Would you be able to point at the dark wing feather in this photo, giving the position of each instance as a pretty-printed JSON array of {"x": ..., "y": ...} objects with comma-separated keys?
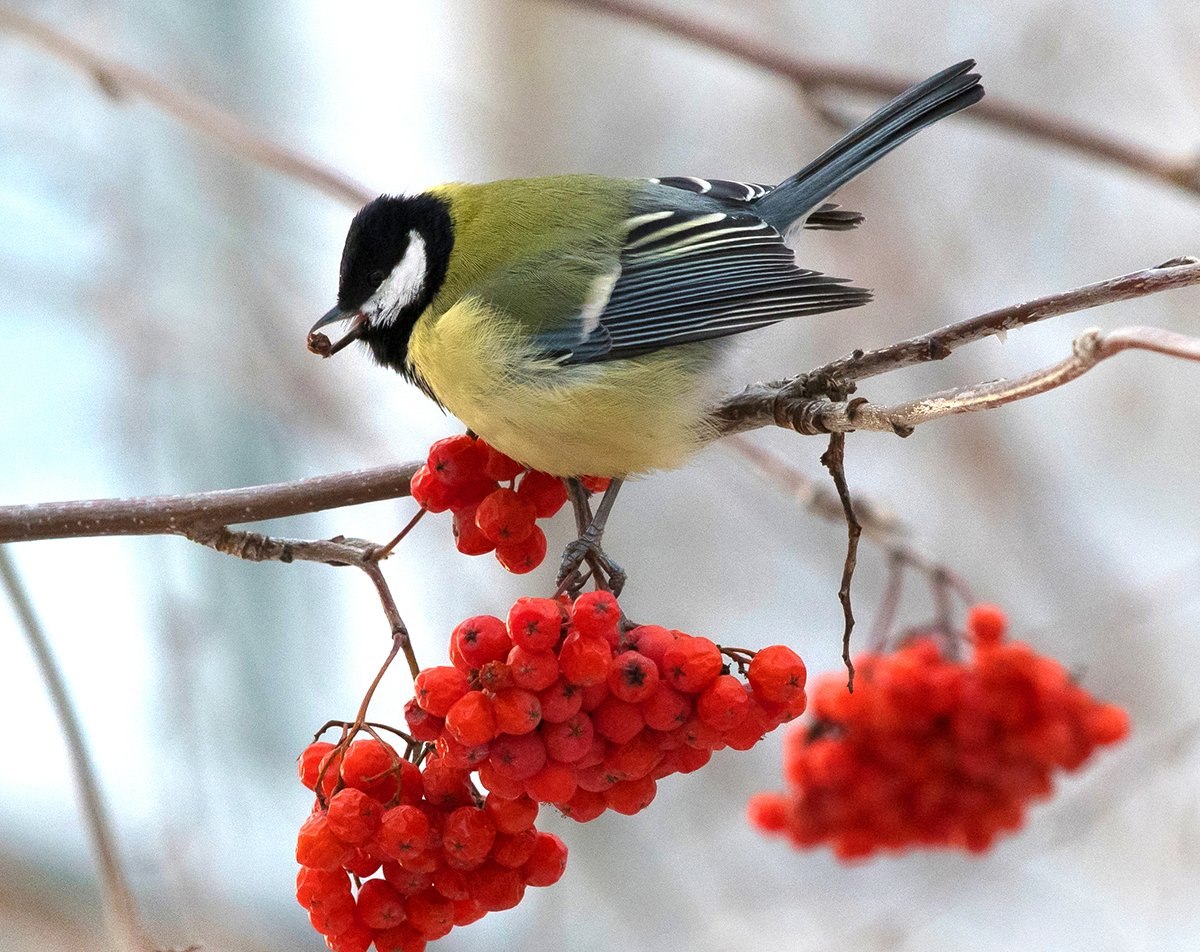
[
  {"x": 829, "y": 216},
  {"x": 688, "y": 276}
]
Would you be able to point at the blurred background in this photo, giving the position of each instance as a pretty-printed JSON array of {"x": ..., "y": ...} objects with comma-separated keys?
[{"x": 154, "y": 295}]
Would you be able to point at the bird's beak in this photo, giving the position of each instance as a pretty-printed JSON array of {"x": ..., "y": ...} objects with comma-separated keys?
[{"x": 319, "y": 344}]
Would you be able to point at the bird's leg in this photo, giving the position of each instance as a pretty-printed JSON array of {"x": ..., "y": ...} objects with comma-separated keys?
[{"x": 587, "y": 548}]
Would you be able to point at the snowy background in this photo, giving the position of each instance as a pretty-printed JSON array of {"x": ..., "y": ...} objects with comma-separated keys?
[{"x": 154, "y": 294}]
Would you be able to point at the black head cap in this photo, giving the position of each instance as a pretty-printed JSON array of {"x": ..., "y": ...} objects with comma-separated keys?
[{"x": 379, "y": 238}]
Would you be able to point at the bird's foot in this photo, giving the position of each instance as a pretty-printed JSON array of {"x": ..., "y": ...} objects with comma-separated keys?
[{"x": 586, "y": 549}]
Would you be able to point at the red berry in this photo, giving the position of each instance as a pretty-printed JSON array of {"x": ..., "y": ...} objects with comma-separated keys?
[
  {"x": 401, "y": 938},
  {"x": 554, "y": 783},
  {"x": 467, "y": 837},
  {"x": 777, "y": 674},
  {"x": 429, "y": 491},
  {"x": 585, "y": 660},
  {"x": 471, "y": 720},
  {"x": 380, "y": 906},
  {"x": 691, "y": 664},
  {"x": 548, "y": 862},
  {"x": 595, "y": 484},
  {"x": 511, "y": 816},
  {"x": 505, "y": 518},
  {"x": 468, "y": 538},
  {"x": 546, "y": 493},
  {"x": 371, "y": 766},
  {"x": 597, "y": 614},
  {"x": 309, "y": 763},
  {"x": 524, "y": 556},
  {"x": 584, "y": 807},
  {"x": 561, "y": 700},
  {"x": 318, "y": 848},
  {"x": 353, "y": 816},
  {"x": 987, "y": 623},
  {"x": 496, "y": 888},
  {"x": 517, "y": 711},
  {"x": 518, "y": 758},
  {"x": 430, "y": 913},
  {"x": 315, "y": 887},
  {"x": 451, "y": 883},
  {"x": 512, "y": 850},
  {"x": 724, "y": 703},
  {"x": 501, "y": 785},
  {"x": 651, "y": 641},
  {"x": 421, "y": 724},
  {"x": 666, "y": 709},
  {"x": 497, "y": 466},
  {"x": 403, "y": 831},
  {"x": 631, "y": 796},
  {"x": 617, "y": 720},
  {"x": 481, "y": 639},
  {"x": 632, "y": 677},
  {"x": 535, "y": 623},
  {"x": 456, "y": 459},
  {"x": 438, "y": 688},
  {"x": 532, "y": 670},
  {"x": 569, "y": 740}
]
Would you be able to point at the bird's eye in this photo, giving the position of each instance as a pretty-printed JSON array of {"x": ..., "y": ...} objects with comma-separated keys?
[{"x": 377, "y": 277}]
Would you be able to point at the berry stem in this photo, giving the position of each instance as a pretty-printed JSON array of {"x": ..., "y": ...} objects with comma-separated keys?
[
  {"x": 834, "y": 459},
  {"x": 383, "y": 553}
]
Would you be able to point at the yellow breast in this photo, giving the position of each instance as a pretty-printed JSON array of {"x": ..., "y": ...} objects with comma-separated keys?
[{"x": 614, "y": 418}]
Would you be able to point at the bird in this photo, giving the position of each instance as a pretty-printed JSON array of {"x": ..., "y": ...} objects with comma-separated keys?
[{"x": 578, "y": 323}]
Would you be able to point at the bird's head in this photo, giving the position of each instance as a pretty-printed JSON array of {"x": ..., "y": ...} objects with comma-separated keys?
[{"x": 393, "y": 264}]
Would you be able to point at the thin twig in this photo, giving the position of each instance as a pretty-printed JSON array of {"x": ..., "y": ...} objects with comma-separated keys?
[
  {"x": 119, "y": 80},
  {"x": 256, "y": 547},
  {"x": 834, "y": 459},
  {"x": 119, "y": 903},
  {"x": 1088, "y": 350},
  {"x": 814, "y": 76},
  {"x": 400, "y": 636}
]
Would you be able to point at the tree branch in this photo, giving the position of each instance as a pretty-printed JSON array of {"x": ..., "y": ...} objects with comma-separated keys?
[
  {"x": 157, "y": 515},
  {"x": 813, "y": 75},
  {"x": 119, "y": 904},
  {"x": 795, "y": 404}
]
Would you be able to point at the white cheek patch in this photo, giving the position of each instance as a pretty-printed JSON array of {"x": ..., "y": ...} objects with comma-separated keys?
[{"x": 402, "y": 287}]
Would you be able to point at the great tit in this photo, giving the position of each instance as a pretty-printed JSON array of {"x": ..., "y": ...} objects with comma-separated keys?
[{"x": 575, "y": 322}]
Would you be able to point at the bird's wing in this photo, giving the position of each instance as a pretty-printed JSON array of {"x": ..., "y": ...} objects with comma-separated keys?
[
  {"x": 685, "y": 276},
  {"x": 828, "y": 216}
]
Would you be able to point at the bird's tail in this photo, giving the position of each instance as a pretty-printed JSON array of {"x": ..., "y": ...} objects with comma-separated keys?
[{"x": 917, "y": 107}]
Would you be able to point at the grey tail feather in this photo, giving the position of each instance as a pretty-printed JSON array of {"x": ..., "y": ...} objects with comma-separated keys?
[
  {"x": 833, "y": 218},
  {"x": 921, "y": 105}
]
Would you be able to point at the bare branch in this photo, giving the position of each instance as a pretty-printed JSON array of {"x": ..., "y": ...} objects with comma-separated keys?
[
  {"x": 1088, "y": 350},
  {"x": 119, "y": 904},
  {"x": 813, "y": 75},
  {"x": 792, "y": 404},
  {"x": 156, "y": 515},
  {"x": 256, "y": 547},
  {"x": 118, "y": 80}
]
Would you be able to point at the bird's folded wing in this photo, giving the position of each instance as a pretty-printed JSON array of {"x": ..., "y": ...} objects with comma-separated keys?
[{"x": 692, "y": 276}]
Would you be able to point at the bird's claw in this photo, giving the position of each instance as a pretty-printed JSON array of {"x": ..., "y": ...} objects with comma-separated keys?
[{"x": 586, "y": 549}]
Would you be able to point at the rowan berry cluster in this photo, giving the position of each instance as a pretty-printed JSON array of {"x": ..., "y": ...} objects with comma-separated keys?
[
  {"x": 929, "y": 751},
  {"x": 397, "y": 855},
  {"x": 563, "y": 704},
  {"x": 495, "y": 500}
]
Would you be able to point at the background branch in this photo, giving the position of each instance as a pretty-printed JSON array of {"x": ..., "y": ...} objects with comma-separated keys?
[
  {"x": 813, "y": 76},
  {"x": 130, "y": 934},
  {"x": 119, "y": 80}
]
